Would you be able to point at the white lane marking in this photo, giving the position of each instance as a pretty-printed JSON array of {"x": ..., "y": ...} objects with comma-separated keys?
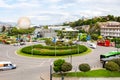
[
  {"x": 49, "y": 60},
  {"x": 7, "y": 55},
  {"x": 42, "y": 63}
]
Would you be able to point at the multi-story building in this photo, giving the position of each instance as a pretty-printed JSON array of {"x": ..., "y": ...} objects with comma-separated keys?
[{"x": 110, "y": 29}]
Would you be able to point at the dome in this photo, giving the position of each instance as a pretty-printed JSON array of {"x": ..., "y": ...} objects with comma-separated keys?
[{"x": 24, "y": 22}]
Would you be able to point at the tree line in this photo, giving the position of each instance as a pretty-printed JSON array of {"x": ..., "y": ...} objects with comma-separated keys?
[
  {"x": 93, "y": 21},
  {"x": 15, "y": 31}
]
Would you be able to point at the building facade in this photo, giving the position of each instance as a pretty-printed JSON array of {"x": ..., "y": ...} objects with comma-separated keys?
[
  {"x": 70, "y": 33},
  {"x": 84, "y": 27},
  {"x": 110, "y": 29},
  {"x": 58, "y": 27},
  {"x": 44, "y": 33}
]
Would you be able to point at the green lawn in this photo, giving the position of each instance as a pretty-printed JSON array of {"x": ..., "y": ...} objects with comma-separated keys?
[{"x": 93, "y": 73}]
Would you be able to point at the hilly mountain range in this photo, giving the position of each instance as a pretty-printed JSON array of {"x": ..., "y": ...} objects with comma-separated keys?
[{"x": 8, "y": 23}]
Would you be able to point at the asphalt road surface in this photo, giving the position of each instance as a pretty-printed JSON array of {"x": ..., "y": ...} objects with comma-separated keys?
[{"x": 38, "y": 69}]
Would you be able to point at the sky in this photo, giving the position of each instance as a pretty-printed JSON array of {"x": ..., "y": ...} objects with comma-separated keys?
[{"x": 49, "y": 12}]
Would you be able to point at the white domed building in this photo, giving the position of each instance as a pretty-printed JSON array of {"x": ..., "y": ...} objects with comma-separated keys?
[{"x": 24, "y": 23}]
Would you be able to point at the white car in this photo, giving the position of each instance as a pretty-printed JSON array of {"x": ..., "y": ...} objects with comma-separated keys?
[{"x": 92, "y": 45}]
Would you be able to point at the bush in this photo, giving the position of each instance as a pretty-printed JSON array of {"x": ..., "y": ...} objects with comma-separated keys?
[
  {"x": 115, "y": 40},
  {"x": 48, "y": 41},
  {"x": 84, "y": 39},
  {"x": 94, "y": 36},
  {"x": 66, "y": 67},
  {"x": 61, "y": 66},
  {"x": 112, "y": 66},
  {"x": 116, "y": 61},
  {"x": 58, "y": 65},
  {"x": 84, "y": 67}
]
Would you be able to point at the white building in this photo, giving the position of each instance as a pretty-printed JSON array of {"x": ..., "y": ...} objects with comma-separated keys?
[
  {"x": 58, "y": 27},
  {"x": 111, "y": 29}
]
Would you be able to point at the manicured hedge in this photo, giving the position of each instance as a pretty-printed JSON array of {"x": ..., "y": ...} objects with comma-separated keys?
[
  {"x": 51, "y": 51},
  {"x": 27, "y": 50},
  {"x": 53, "y": 47}
]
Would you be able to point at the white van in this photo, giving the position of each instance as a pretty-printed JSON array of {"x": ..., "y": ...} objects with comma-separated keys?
[{"x": 6, "y": 65}]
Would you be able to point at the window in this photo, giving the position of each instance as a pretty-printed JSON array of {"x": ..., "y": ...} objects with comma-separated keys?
[
  {"x": 11, "y": 65},
  {"x": 5, "y": 65}
]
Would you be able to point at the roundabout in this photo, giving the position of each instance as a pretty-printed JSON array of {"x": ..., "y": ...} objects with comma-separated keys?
[
  {"x": 51, "y": 51},
  {"x": 31, "y": 68}
]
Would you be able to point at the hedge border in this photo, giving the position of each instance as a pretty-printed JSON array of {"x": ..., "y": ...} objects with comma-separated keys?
[
  {"x": 50, "y": 51},
  {"x": 20, "y": 53}
]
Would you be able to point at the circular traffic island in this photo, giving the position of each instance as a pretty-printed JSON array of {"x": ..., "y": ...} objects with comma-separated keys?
[{"x": 40, "y": 50}]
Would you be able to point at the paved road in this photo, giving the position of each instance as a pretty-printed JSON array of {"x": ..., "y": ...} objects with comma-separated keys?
[{"x": 35, "y": 69}]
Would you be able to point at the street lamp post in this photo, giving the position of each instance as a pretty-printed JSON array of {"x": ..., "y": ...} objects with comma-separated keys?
[
  {"x": 54, "y": 41},
  {"x": 71, "y": 58},
  {"x": 55, "y": 48},
  {"x": 71, "y": 55},
  {"x": 51, "y": 71},
  {"x": 18, "y": 39},
  {"x": 32, "y": 49},
  {"x": 62, "y": 78},
  {"x": 78, "y": 48}
]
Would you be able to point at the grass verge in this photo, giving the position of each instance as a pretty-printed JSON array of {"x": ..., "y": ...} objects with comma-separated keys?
[{"x": 94, "y": 73}]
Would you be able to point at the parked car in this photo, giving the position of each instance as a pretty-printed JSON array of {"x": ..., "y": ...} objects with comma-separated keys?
[
  {"x": 22, "y": 43},
  {"x": 16, "y": 44}
]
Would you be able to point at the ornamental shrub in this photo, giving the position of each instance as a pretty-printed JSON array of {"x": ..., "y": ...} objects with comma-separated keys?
[
  {"x": 112, "y": 66},
  {"x": 61, "y": 66},
  {"x": 66, "y": 67},
  {"x": 84, "y": 67},
  {"x": 116, "y": 61},
  {"x": 58, "y": 65}
]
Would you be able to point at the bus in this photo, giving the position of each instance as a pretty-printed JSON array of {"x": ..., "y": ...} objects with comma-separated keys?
[{"x": 110, "y": 55}]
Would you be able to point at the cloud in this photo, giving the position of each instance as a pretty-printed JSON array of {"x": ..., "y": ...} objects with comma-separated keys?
[
  {"x": 53, "y": 11},
  {"x": 54, "y": 1},
  {"x": 3, "y": 4},
  {"x": 19, "y": 4},
  {"x": 40, "y": 18}
]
